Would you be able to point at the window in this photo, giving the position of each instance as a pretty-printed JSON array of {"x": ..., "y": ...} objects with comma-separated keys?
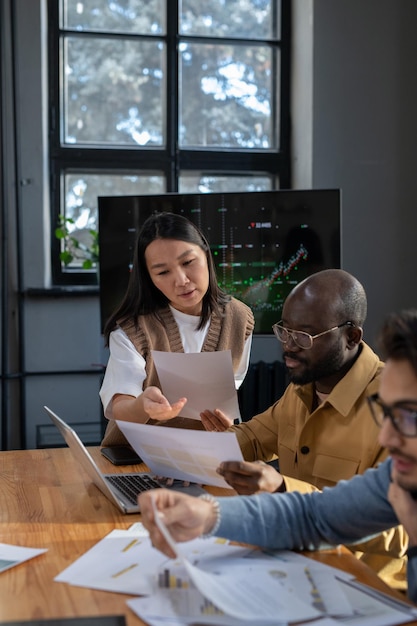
[{"x": 152, "y": 96}]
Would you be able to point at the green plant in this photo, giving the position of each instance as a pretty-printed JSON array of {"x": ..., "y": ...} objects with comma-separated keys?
[{"x": 78, "y": 245}]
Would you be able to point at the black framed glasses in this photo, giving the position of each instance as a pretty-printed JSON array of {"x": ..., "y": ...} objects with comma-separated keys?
[
  {"x": 403, "y": 415},
  {"x": 300, "y": 338}
]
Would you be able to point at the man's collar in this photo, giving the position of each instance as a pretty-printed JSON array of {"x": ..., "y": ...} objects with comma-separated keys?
[{"x": 344, "y": 395}]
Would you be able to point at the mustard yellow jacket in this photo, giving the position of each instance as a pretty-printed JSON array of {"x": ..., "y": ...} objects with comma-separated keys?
[{"x": 337, "y": 440}]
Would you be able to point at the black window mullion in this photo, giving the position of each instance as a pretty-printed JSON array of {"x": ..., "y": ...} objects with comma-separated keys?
[
  {"x": 284, "y": 91},
  {"x": 172, "y": 96},
  {"x": 116, "y": 159},
  {"x": 54, "y": 77},
  {"x": 247, "y": 161}
]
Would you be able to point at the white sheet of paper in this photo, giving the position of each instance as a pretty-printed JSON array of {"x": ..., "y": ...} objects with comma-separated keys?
[
  {"x": 13, "y": 555},
  {"x": 124, "y": 561},
  {"x": 205, "y": 378},
  {"x": 246, "y": 591},
  {"x": 114, "y": 564},
  {"x": 180, "y": 453}
]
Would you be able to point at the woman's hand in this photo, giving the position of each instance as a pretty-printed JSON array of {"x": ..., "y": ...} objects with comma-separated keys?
[
  {"x": 184, "y": 516},
  {"x": 157, "y": 406}
]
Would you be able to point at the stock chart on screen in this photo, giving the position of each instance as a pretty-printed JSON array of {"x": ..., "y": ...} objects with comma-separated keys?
[{"x": 263, "y": 243}]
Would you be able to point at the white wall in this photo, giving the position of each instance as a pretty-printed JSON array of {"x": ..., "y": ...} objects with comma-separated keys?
[{"x": 364, "y": 140}]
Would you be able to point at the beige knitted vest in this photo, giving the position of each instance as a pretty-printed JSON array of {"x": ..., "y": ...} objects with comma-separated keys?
[{"x": 227, "y": 332}]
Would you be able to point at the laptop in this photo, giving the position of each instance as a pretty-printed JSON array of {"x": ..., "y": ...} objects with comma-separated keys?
[{"x": 121, "y": 489}]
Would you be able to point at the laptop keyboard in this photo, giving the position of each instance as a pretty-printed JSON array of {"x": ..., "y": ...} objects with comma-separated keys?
[{"x": 132, "y": 485}]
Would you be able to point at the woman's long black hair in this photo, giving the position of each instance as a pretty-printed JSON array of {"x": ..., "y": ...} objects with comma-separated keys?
[{"x": 142, "y": 297}]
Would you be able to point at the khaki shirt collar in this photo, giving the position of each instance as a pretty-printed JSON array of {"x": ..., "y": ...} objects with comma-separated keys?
[{"x": 347, "y": 391}]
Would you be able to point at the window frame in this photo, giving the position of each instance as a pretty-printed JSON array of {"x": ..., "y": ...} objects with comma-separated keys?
[{"x": 169, "y": 160}]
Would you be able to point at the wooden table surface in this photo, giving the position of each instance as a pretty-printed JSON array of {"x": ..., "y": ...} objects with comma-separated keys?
[{"x": 47, "y": 501}]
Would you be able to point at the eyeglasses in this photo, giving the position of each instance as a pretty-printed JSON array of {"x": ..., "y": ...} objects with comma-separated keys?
[
  {"x": 300, "y": 338},
  {"x": 403, "y": 415}
]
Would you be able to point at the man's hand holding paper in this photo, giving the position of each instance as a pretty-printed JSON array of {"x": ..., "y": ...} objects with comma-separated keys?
[{"x": 215, "y": 420}]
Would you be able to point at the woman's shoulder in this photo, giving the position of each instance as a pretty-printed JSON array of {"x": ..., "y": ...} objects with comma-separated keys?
[
  {"x": 238, "y": 305},
  {"x": 238, "y": 310}
]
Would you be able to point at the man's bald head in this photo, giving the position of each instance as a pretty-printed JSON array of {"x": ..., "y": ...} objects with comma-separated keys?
[
  {"x": 331, "y": 307},
  {"x": 336, "y": 293}
]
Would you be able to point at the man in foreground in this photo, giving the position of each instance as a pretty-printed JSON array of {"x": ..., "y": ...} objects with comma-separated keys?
[{"x": 347, "y": 513}]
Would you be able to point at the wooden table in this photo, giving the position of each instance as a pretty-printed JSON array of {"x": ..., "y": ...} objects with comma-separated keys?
[{"x": 46, "y": 501}]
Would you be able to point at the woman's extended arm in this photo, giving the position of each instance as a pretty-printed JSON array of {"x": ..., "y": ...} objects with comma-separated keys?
[
  {"x": 150, "y": 404},
  {"x": 121, "y": 391}
]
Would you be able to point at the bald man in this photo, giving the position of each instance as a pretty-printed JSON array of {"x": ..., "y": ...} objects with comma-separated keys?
[{"x": 321, "y": 429}]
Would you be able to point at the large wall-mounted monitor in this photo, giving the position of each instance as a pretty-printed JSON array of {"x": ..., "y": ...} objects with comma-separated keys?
[{"x": 263, "y": 243}]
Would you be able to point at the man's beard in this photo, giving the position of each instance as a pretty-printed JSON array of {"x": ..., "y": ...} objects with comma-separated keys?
[
  {"x": 324, "y": 368},
  {"x": 408, "y": 482},
  {"x": 407, "y": 485}
]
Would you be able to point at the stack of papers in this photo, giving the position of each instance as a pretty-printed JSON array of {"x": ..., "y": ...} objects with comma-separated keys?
[{"x": 215, "y": 582}]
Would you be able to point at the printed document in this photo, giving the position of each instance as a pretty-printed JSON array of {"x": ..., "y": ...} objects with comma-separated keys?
[{"x": 192, "y": 455}]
